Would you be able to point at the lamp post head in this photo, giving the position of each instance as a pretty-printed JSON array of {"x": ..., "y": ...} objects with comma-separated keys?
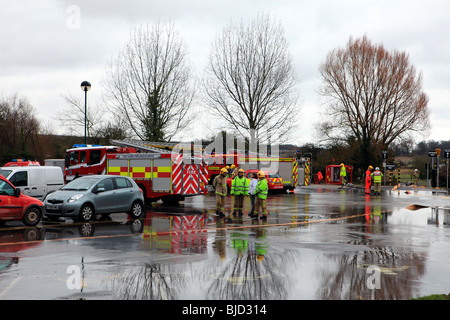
[{"x": 85, "y": 86}]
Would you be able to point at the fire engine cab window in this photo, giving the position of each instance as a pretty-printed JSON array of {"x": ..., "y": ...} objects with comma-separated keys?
[
  {"x": 73, "y": 158},
  {"x": 6, "y": 189},
  {"x": 82, "y": 156},
  {"x": 76, "y": 157},
  {"x": 19, "y": 179},
  {"x": 95, "y": 157}
]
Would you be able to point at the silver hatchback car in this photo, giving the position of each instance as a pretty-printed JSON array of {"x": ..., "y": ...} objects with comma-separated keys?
[{"x": 88, "y": 196}]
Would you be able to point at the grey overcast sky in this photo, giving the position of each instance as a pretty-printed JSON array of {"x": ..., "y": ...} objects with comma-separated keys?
[{"x": 48, "y": 47}]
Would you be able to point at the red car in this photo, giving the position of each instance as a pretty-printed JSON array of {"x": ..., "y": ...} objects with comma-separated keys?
[
  {"x": 274, "y": 180},
  {"x": 16, "y": 206}
]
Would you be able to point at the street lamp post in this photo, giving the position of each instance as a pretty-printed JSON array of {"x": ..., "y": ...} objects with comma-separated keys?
[{"x": 85, "y": 86}]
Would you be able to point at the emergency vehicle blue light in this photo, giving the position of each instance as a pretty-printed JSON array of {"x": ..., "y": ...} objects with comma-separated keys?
[{"x": 86, "y": 145}]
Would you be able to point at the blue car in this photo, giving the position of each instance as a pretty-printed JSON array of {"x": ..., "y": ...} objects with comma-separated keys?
[{"x": 85, "y": 197}]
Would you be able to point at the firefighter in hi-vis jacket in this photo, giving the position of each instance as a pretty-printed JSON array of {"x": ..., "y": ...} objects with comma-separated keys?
[
  {"x": 376, "y": 176},
  {"x": 239, "y": 189},
  {"x": 261, "y": 195}
]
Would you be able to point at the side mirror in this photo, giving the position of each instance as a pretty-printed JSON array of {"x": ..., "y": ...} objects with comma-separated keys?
[
  {"x": 17, "y": 192},
  {"x": 98, "y": 189}
]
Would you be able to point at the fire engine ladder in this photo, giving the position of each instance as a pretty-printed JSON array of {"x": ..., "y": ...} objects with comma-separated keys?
[
  {"x": 149, "y": 146},
  {"x": 146, "y": 146}
]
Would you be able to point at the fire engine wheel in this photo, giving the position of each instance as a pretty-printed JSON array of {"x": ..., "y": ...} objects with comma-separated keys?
[
  {"x": 86, "y": 212},
  {"x": 32, "y": 216},
  {"x": 137, "y": 210}
]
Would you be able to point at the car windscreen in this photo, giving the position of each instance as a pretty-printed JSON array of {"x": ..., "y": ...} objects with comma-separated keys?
[
  {"x": 5, "y": 172},
  {"x": 80, "y": 184},
  {"x": 273, "y": 175}
]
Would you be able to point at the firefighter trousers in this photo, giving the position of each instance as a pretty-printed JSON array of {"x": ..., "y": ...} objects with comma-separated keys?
[
  {"x": 377, "y": 187},
  {"x": 238, "y": 203},
  {"x": 260, "y": 205},
  {"x": 220, "y": 203}
]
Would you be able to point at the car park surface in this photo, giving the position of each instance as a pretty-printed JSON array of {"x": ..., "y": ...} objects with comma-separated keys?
[{"x": 318, "y": 242}]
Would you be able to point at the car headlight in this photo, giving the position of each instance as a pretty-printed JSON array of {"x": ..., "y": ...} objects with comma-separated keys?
[{"x": 75, "y": 197}]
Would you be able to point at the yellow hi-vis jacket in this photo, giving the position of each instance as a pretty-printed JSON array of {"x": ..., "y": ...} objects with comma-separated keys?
[
  {"x": 376, "y": 176},
  {"x": 262, "y": 189},
  {"x": 239, "y": 186},
  {"x": 343, "y": 172}
]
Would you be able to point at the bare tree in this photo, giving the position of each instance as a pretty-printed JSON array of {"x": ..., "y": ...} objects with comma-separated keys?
[
  {"x": 250, "y": 79},
  {"x": 72, "y": 116},
  {"x": 374, "y": 97},
  {"x": 149, "y": 83}
]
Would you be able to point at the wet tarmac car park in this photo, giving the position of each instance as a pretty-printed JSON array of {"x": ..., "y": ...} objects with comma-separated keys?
[{"x": 318, "y": 243}]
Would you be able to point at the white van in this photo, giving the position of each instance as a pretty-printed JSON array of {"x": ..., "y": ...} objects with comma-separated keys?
[{"x": 35, "y": 181}]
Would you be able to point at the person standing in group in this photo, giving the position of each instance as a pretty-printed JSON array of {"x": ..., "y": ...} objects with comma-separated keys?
[
  {"x": 376, "y": 176},
  {"x": 220, "y": 187},
  {"x": 343, "y": 175},
  {"x": 368, "y": 179},
  {"x": 319, "y": 177},
  {"x": 416, "y": 177},
  {"x": 261, "y": 191},
  {"x": 251, "y": 191},
  {"x": 239, "y": 189}
]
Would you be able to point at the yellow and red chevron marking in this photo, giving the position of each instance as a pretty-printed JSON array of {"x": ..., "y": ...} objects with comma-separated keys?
[
  {"x": 295, "y": 173},
  {"x": 307, "y": 173}
]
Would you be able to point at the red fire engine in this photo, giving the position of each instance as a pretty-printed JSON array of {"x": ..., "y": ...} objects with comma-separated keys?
[
  {"x": 287, "y": 166},
  {"x": 169, "y": 176},
  {"x": 84, "y": 160}
]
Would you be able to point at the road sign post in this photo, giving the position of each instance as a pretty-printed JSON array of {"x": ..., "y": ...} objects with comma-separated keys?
[
  {"x": 438, "y": 153},
  {"x": 433, "y": 155},
  {"x": 447, "y": 157},
  {"x": 385, "y": 156}
]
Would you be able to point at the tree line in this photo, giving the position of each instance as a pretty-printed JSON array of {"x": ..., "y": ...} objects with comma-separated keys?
[{"x": 372, "y": 98}]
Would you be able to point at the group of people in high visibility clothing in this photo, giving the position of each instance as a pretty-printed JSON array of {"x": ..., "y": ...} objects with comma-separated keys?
[
  {"x": 374, "y": 176},
  {"x": 371, "y": 175},
  {"x": 257, "y": 188}
]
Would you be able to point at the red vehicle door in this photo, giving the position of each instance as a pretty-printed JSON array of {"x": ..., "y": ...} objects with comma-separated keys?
[{"x": 10, "y": 205}]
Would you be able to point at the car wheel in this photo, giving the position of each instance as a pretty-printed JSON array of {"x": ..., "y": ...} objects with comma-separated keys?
[
  {"x": 86, "y": 212},
  {"x": 32, "y": 216},
  {"x": 137, "y": 210}
]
